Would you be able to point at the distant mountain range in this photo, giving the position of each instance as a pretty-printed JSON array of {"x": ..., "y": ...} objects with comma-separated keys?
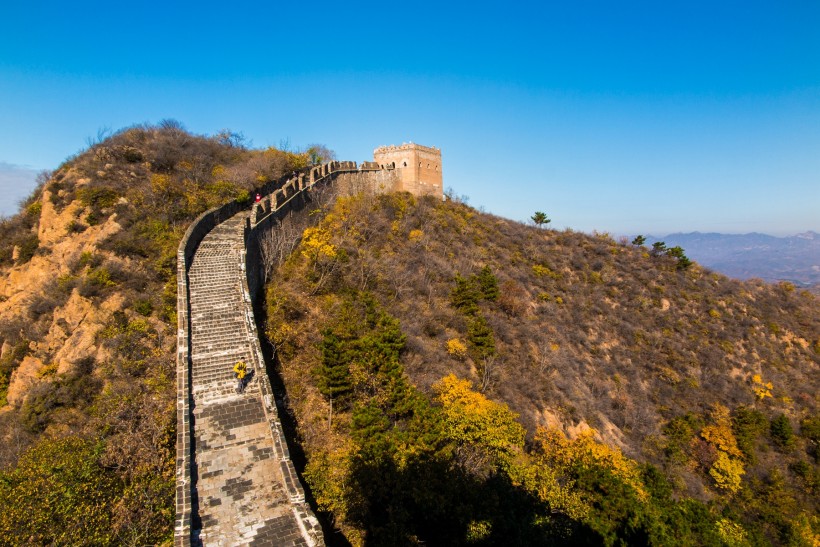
[{"x": 744, "y": 256}]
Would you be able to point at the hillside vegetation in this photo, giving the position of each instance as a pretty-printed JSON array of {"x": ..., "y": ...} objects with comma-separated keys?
[
  {"x": 87, "y": 329},
  {"x": 459, "y": 378}
]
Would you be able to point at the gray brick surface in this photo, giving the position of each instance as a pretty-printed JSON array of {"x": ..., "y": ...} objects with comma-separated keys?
[{"x": 247, "y": 491}]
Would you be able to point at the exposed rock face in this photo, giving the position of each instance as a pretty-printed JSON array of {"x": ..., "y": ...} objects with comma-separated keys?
[
  {"x": 71, "y": 336},
  {"x": 23, "y": 379}
]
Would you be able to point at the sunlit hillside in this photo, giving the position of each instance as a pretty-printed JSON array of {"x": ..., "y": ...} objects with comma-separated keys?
[{"x": 458, "y": 375}]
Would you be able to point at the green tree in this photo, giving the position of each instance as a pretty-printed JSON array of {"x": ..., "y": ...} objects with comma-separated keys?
[
  {"x": 488, "y": 284},
  {"x": 810, "y": 429},
  {"x": 59, "y": 494},
  {"x": 639, "y": 240},
  {"x": 480, "y": 338},
  {"x": 540, "y": 219},
  {"x": 748, "y": 424},
  {"x": 677, "y": 253},
  {"x": 782, "y": 432},
  {"x": 658, "y": 248},
  {"x": 319, "y": 153},
  {"x": 334, "y": 371},
  {"x": 464, "y": 296}
]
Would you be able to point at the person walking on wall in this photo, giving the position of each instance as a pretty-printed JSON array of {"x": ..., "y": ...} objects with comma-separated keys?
[{"x": 240, "y": 369}]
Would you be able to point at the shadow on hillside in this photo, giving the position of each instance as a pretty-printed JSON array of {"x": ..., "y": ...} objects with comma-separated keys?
[
  {"x": 331, "y": 536},
  {"x": 433, "y": 503}
]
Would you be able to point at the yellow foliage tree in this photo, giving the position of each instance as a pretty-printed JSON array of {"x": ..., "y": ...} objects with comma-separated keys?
[
  {"x": 719, "y": 432},
  {"x": 328, "y": 474},
  {"x": 486, "y": 433},
  {"x": 731, "y": 533},
  {"x": 760, "y": 388},
  {"x": 727, "y": 472},
  {"x": 456, "y": 348},
  {"x": 562, "y": 453},
  {"x": 316, "y": 244},
  {"x": 541, "y": 479}
]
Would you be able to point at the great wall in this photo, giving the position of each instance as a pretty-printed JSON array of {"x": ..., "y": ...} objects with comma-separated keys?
[{"x": 235, "y": 481}]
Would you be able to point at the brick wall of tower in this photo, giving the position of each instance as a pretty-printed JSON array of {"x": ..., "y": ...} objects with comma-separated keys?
[{"x": 418, "y": 167}]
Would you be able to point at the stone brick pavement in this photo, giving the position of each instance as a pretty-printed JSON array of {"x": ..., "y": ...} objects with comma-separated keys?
[{"x": 246, "y": 489}]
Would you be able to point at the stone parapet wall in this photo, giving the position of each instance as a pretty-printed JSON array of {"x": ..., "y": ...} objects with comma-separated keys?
[{"x": 280, "y": 197}]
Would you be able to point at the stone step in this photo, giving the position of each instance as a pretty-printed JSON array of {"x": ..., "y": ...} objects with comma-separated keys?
[{"x": 248, "y": 489}]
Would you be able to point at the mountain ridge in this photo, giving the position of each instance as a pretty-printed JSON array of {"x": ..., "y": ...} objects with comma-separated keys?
[{"x": 793, "y": 258}]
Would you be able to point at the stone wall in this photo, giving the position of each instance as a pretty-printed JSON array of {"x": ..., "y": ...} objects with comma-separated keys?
[
  {"x": 280, "y": 197},
  {"x": 184, "y": 454}
]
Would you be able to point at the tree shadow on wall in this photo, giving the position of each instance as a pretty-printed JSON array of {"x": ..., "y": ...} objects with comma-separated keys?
[{"x": 432, "y": 502}]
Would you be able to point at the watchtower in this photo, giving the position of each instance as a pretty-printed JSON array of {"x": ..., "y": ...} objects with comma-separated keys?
[{"x": 418, "y": 167}]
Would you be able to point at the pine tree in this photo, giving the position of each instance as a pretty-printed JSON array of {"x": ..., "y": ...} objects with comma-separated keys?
[
  {"x": 481, "y": 339},
  {"x": 464, "y": 296},
  {"x": 540, "y": 218},
  {"x": 334, "y": 372},
  {"x": 488, "y": 284}
]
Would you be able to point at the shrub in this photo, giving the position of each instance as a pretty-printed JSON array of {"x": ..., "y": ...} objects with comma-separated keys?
[
  {"x": 143, "y": 307},
  {"x": 513, "y": 298},
  {"x": 76, "y": 227},
  {"x": 810, "y": 429},
  {"x": 456, "y": 348},
  {"x": 97, "y": 197},
  {"x": 75, "y": 389},
  {"x": 59, "y": 494},
  {"x": 28, "y": 246}
]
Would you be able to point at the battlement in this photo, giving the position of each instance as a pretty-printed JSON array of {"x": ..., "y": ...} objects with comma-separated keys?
[{"x": 406, "y": 146}]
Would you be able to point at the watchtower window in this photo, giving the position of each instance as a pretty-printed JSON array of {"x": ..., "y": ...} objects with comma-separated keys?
[{"x": 404, "y": 164}]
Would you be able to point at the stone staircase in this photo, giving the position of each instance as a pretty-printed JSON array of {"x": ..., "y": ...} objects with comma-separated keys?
[{"x": 246, "y": 491}]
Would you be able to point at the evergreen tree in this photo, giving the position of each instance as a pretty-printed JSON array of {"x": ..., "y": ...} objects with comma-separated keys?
[
  {"x": 481, "y": 339},
  {"x": 464, "y": 296},
  {"x": 658, "y": 248},
  {"x": 540, "y": 219},
  {"x": 334, "y": 372},
  {"x": 677, "y": 253},
  {"x": 488, "y": 284},
  {"x": 782, "y": 432}
]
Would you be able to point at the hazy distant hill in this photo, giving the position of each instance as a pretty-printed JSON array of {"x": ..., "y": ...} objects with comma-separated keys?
[{"x": 745, "y": 256}]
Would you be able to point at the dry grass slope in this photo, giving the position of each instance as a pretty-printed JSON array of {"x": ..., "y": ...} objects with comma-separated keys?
[{"x": 587, "y": 332}]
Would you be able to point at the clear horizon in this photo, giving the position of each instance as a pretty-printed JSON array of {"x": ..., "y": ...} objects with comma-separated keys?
[{"x": 654, "y": 120}]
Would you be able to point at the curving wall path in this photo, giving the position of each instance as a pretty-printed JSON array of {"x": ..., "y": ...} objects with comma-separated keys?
[{"x": 236, "y": 484}]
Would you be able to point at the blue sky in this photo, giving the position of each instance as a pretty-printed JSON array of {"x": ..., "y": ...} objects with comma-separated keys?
[{"x": 631, "y": 117}]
